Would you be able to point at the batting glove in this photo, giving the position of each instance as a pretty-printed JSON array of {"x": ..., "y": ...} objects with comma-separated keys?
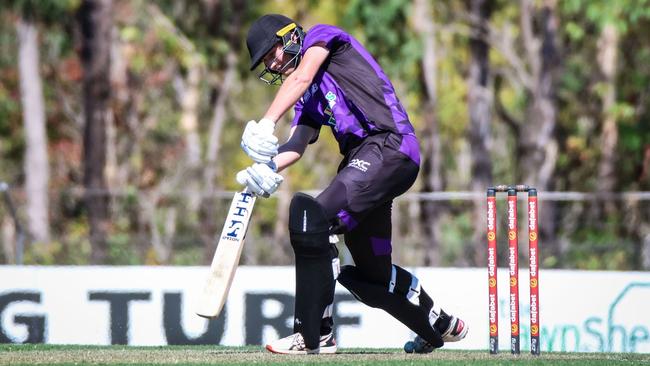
[
  {"x": 260, "y": 179},
  {"x": 258, "y": 140}
]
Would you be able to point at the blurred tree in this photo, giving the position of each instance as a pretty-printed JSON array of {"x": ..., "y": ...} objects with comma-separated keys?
[
  {"x": 29, "y": 14},
  {"x": 431, "y": 168},
  {"x": 95, "y": 22},
  {"x": 236, "y": 12},
  {"x": 617, "y": 25},
  {"x": 533, "y": 72},
  {"x": 608, "y": 44},
  {"x": 480, "y": 104},
  {"x": 36, "y": 159},
  {"x": 214, "y": 29},
  {"x": 537, "y": 146},
  {"x": 180, "y": 90},
  {"x": 618, "y": 109},
  {"x": 383, "y": 29}
]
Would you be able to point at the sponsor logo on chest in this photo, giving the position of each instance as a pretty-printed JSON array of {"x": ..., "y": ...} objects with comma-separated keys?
[{"x": 359, "y": 165}]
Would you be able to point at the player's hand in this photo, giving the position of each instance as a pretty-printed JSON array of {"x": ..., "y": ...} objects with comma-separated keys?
[
  {"x": 258, "y": 140},
  {"x": 260, "y": 179}
]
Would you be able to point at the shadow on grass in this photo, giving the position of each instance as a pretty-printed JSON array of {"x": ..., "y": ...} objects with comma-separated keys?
[{"x": 367, "y": 351}]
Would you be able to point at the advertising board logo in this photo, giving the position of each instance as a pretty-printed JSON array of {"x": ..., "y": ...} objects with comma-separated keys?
[
  {"x": 534, "y": 330},
  {"x": 492, "y": 261},
  {"x": 513, "y": 260},
  {"x": 493, "y": 309},
  {"x": 514, "y": 328},
  {"x": 493, "y": 329},
  {"x": 512, "y": 214},
  {"x": 533, "y": 236},
  {"x": 512, "y": 235},
  {"x": 533, "y": 282},
  {"x": 532, "y": 215},
  {"x": 492, "y": 282},
  {"x": 533, "y": 261},
  {"x": 491, "y": 236},
  {"x": 534, "y": 312},
  {"x": 490, "y": 215},
  {"x": 513, "y": 282}
]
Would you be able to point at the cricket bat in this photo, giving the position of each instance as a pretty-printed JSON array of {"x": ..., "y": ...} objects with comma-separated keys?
[{"x": 226, "y": 257}]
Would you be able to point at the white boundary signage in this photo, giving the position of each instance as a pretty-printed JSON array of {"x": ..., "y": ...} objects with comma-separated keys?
[{"x": 585, "y": 311}]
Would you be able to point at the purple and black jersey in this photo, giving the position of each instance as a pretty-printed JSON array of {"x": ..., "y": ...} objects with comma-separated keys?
[{"x": 352, "y": 95}]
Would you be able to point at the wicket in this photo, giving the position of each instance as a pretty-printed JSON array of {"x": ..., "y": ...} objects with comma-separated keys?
[{"x": 513, "y": 253}]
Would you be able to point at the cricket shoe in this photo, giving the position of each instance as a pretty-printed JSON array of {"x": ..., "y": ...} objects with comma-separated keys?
[
  {"x": 295, "y": 345},
  {"x": 456, "y": 331}
]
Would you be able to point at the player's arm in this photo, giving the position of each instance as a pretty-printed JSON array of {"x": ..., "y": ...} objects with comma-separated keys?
[
  {"x": 291, "y": 151},
  {"x": 258, "y": 141},
  {"x": 297, "y": 82}
]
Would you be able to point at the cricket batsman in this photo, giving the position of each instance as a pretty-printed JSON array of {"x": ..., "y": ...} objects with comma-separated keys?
[{"x": 331, "y": 80}]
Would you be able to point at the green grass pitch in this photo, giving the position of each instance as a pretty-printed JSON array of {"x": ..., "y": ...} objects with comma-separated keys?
[{"x": 255, "y": 355}]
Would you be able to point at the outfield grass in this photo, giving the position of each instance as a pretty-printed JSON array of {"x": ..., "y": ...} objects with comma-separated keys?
[{"x": 214, "y": 355}]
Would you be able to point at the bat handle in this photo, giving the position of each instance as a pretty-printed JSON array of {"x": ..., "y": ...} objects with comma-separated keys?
[{"x": 248, "y": 191}]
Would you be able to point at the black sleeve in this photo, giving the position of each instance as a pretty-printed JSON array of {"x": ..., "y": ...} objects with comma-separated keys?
[{"x": 302, "y": 136}]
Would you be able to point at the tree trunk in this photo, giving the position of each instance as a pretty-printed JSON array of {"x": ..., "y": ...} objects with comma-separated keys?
[
  {"x": 119, "y": 93},
  {"x": 431, "y": 168},
  {"x": 36, "y": 159},
  {"x": 479, "y": 102},
  {"x": 537, "y": 146},
  {"x": 189, "y": 101},
  {"x": 95, "y": 23},
  {"x": 162, "y": 228},
  {"x": 8, "y": 239},
  {"x": 607, "y": 52},
  {"x": 208, "y": 207}
]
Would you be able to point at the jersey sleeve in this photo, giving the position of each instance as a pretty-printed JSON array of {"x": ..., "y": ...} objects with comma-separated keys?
[
  {"x": 303, "y": 119},
  {"x": 330, "y": 35}
]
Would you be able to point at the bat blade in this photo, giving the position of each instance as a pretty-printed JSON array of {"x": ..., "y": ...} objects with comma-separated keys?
[{"x": 226, "y": 257}]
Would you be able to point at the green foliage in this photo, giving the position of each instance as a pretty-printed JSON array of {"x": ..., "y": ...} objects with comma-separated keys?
[
  {"x": 457, "y": 249},
  {"x": 383, "y": 29},
  {"x": 622, "y": 14},
  {"x": 46, "y": 11},
  {"x": 121, "y": 250},
  {"x": 601, "y": 247}
]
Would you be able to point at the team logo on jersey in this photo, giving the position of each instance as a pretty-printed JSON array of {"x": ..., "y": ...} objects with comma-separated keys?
[
  {"x": 331, "y": 102},
  {"x": 359, "y": 164},
  {"x": 331, "y": 121},
  {"x": 331, "y": 99}
]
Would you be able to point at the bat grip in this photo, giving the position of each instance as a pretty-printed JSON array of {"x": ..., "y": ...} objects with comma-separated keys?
[{"x": 248, "y": 191}]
